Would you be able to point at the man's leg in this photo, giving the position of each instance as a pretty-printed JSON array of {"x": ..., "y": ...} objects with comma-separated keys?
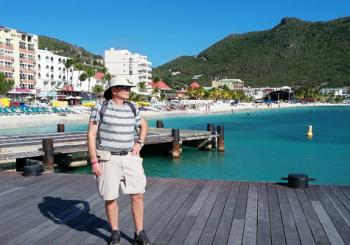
[
  {"x": 137, "y": 210},
  {"x": 111, "y": 207}
]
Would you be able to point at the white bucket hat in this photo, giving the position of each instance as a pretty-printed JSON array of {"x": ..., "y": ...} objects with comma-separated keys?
[{"x": 117, "y": 81}]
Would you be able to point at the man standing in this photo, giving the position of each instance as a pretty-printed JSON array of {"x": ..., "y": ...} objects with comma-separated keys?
[{"x": 114, "y": 155}]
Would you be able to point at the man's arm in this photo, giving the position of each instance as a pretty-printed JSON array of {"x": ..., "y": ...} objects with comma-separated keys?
[
  {"x": 143, "y": 133},
  {"x": 91, "y": 141}
]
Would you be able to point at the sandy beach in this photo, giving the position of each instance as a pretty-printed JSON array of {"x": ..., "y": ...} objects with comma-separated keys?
[{"x": 8, "y": 122}]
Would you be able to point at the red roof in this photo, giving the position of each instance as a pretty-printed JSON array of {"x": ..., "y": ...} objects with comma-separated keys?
[
  {"x": 195, "y": 85},
  {"x": 161, "y": 85},
  {"x": 99, "y": 76}
]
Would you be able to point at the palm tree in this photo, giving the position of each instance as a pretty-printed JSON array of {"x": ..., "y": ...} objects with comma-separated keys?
[
  {"x": 79, "y": 67},
  {"x": 142, "y": 87},
  {"x": 68, "y": 64},
  {"x": 87, "y": 74}
]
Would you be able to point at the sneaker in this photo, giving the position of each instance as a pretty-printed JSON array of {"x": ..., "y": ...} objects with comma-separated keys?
[
  {"x": 115, "y": 238},
  {"x": 141, "y": 239}
]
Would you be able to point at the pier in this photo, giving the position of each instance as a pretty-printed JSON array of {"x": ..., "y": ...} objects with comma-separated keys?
[
  {"x": 66, "y": 209},
  {"x": 46, "y": 146}
]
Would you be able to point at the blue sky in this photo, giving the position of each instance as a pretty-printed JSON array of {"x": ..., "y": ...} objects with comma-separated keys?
[{"x": 162, "y": 30}]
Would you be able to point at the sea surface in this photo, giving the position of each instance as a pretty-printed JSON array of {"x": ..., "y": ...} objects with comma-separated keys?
[{"x": 259, "y": 146}]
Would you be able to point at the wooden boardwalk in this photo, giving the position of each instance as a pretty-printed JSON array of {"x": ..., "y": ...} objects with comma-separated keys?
[{"x": 66, "y": 209}]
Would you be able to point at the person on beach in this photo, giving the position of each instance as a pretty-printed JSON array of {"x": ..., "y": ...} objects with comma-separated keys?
[{"x": 115, "y": 155}]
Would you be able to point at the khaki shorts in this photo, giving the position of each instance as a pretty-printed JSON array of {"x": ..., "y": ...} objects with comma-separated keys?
[{"x": 124, "y": 172}]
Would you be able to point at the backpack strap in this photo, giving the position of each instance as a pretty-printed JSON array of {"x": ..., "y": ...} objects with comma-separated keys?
[
  {"x": 132, "y": 107},
  {"x": 103, "y": 110}
]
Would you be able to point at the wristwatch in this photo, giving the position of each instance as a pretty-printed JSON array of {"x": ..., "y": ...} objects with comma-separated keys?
[{"x": 140, "y": 142}]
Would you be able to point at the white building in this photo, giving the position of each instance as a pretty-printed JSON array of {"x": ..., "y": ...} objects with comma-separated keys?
[
  {"x": 123, "y": 63},
  {"x": 334, "y": 91},
  {"x": 52, "y": 74},
  {"x": 259, "y": 93},
  {"x": 232, "y": 84}
]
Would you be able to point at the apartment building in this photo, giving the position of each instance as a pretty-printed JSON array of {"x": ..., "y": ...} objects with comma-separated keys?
[
  {"x": 18, "y": 57},
  {"x": 133, "y": 66},
  {"x": 232, "y": 84},
  {"x": 52, "y": 74}
]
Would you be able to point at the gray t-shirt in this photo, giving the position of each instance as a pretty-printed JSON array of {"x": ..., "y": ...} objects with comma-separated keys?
[{"x": 116, "y": 132}]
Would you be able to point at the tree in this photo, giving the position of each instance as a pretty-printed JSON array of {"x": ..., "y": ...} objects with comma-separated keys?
[
  {"x": 87, "y": 74},
  {"x": 68, "y": 64},
  {"x": 79, "y": 67},
  {"x": 5, "y": 84},
  {"x": 142, "y": 87},
  {"x": 98, "y": 89}
]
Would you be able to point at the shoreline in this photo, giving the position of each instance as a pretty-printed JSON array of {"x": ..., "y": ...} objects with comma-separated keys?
[{"x": 13, "y": 122}]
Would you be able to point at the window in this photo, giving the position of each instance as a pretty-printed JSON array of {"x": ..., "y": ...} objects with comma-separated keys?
[
  {"x": 39, "y": 75},
  {"x": 22, "y": 45},
  {"x": 8, "y": 42},
  {"x": 39, "y": 57},
  {"x": 39, "y": 66},
  {"x": 31, "y": 46},
  {"x": 51, "y": 59}
]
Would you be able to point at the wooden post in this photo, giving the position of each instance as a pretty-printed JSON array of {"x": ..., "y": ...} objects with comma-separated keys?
[
  {"x": 210, "y": 128},
  {"x": 221, "y": 143},
  {"x": 160, "y": 124},
  {"x": 49, "y": 154},
  {"x": 175, "y": 152},
  {"x": 60, "y": 128}
]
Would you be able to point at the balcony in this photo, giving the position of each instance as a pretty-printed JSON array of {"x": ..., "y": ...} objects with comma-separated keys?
[
  {"x": 27, "y": 81},
  {"x": 8, "y": 46},
  {"x": 8, "y": 58},
  {"x": 23, "y": 50}
]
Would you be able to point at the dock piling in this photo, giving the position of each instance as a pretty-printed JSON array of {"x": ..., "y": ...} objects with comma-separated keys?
[
  {"x": 48, "y": 154},
  {"x": 160, "y": 124},
  {"x": 60, "y": 128},
  {"x": 175, "y": 152},
  {"x": 221, "y": 142}
]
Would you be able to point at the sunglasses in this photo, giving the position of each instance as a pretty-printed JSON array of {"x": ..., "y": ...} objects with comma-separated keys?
[{"x": 124, "y": 87}]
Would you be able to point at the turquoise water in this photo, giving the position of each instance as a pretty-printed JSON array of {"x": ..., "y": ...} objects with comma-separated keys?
[{"x": 260, "y": 146}]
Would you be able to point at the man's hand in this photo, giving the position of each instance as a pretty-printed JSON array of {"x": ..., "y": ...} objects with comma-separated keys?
[
  {"x": 96, "y": 169},
  {"x": 136, "y": 149}
]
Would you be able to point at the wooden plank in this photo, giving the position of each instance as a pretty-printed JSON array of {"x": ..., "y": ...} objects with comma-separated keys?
[
  {"x": 263, "y": 230},
  {"x": 198, "y": 226},
  {"x": 236, "y": 234},
  {"x": 223, "y": 231},
  {"x": 339, "y": 206},
  {"x": 242, "y": 199},
  {"x": 170, "y": 229},
  {"x": 327, "y": 224},
  {"x": 332, "y": 212},
  {"x": 341, "y": 196},
  {"x": 277, "y": 231},
  {"x": 250, "y": 224},
  {"x": 290, "y": 231},
  {"x": 191, "y": 216},
  {"x": 317, "y": 230},
  {"x": 304, "y": 231},
  {"x": 211, "y": 226},
  {"x": 157, "y": 227}
]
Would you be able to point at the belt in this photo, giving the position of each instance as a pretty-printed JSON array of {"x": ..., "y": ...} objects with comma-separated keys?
[{"x": 120, "y": 153}]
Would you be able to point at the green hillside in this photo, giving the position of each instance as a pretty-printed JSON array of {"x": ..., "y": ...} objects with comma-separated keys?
[
  {"x": 67, "y": 49},
  {"x": 294, "y": 52}
]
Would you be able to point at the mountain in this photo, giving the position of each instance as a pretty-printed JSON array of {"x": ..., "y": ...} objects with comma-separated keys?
[
  {"x": 66, "y": 49},
  {"x": 294, "y": 52}
]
